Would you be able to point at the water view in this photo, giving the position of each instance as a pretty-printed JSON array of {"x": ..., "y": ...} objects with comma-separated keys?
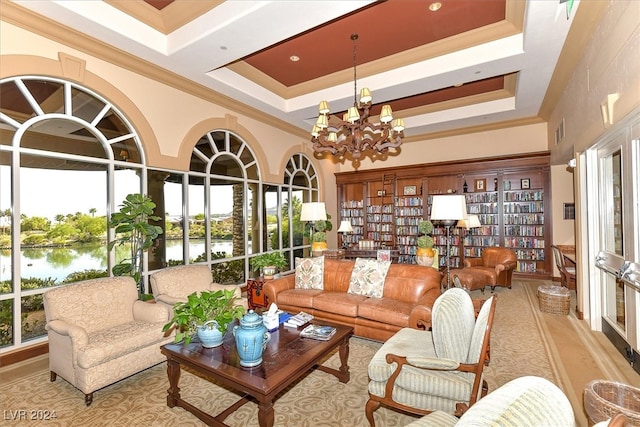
[{"x": 58, "y": 263}]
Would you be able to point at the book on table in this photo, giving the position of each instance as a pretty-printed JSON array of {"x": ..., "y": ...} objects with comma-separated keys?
[
  {"x": 298, "y": 320},
  {"x": 318, "y": 332}
]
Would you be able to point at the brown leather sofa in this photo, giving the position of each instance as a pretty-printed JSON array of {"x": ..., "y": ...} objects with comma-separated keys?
[
  {"x": 494, "y": 267},
  {"x": 408, "y": 296}
]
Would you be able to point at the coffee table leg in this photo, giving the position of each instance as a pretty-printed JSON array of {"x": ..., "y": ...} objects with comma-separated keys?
[
  {"x": 266, "y": 415},
  {"x": 173, "y": 392},
  {"x": 344, "y": 359}
]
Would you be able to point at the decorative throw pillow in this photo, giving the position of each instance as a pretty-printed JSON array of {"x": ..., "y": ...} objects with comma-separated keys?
[
  {"x": 310, "y": 273},
  {"x": 367, "y": 277}
]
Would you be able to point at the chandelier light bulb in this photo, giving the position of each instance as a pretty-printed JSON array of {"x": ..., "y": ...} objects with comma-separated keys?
[
  {"x": 353, "y": 115},
  {"x": 365, "y": 96},
  {"x": 323, "y": 108},
  {"x": 398, "y": 125},
  {"x": 386, "y": 115},
  {"x": 322, "y": 122}
]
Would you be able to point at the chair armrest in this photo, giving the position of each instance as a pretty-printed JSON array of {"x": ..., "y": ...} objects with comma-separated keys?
[
  {"x": 78, "y": 335},
  {"x": 149, "y": 312},
  {"x": 433, "y": 363},
  {"x": 473, "y": 262}
]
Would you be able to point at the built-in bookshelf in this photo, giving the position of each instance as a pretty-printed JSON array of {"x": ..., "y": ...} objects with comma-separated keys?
[
  {"x": 509, "y": 195},
  {"x": 408, "y": 214},
  {"x": 353, "y": 211}
]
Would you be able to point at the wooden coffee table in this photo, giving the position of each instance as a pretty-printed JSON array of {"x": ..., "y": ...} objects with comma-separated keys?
[{"x": 286, "y": 358}]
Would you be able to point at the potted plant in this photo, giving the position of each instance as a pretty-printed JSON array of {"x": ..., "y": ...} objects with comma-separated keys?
[
  {"x": 268, "y": 263},
  {"x": 319, "y": 237},
  {"x": 425, "y": 253},
  {"x": 205, "y": 313},
  {"x": 132, "y": 229}
]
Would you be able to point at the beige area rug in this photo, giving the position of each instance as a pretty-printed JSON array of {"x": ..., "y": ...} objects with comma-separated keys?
[{"x": 319, "y": 399}]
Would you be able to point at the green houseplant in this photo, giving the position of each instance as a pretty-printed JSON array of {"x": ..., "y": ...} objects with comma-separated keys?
[
  {"x": 264, "y": 261},
  {"x": 425, "y": 253},
  {"x": 132, "y": 229},
  {"x": 202, "y": 308}
]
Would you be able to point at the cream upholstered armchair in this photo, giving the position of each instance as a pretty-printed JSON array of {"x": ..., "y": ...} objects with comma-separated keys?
[
  {"x": 495, "y": 265},
  {"x": 526, "y": 401},
  {"x": 174, "y": 284},
  {"x": 99, "y": 332},
  {"x": 423, "y": 371}
]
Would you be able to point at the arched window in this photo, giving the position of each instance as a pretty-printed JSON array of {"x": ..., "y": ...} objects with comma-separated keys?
[{"x": 68, "y": 157}]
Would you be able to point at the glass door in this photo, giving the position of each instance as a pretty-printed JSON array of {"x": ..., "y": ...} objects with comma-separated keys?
[{"x": 616, "y": 224}]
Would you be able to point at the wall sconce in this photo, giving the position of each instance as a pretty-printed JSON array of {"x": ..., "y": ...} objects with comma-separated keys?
[{"x": 606, "y": 108}]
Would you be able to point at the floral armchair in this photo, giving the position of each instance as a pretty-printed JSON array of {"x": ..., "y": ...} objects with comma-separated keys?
[
  {"x": 99, "y": 332},
  {"x": 174, "y": 284}
]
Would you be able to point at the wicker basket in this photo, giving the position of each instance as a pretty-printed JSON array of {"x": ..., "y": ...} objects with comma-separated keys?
[
  {"x": 554, "y": 299},
  {"x": 604, "y": 399}
]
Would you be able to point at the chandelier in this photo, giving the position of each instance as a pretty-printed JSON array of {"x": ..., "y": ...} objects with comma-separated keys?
[{"x": 354, "y": 133}]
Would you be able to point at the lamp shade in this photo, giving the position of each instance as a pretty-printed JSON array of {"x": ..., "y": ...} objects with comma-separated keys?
[
  {"x": 472, "y": 221},
  {"x": 323, "y": 108},
  {"x": 313, "y": 211},
  {"x": 386, "y": 115},
  {"x": 345, "y": 227},
  {"x": 448, "y": 208}
]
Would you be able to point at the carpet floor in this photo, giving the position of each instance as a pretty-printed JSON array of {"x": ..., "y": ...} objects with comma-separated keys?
[{"x": 524, "y": 341}]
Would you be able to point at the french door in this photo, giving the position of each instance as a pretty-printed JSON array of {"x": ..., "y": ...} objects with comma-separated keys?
[{"x": 615, "y": 161}]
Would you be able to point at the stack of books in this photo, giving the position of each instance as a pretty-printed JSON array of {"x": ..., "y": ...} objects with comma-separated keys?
[
  {"x": 298, "y": 320},
  {"x": 318, "y": 332}
]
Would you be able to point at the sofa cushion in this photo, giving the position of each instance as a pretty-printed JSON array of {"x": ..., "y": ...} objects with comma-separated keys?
[
  {"x": 117, "y": 341},
  {"x": 367, "y": 277},
  {"x": 386, "y": 310},
  {"x": 298, "y": 297},
  {"x": 310, "y": 273},
  {"x": 338, "y": 303}
]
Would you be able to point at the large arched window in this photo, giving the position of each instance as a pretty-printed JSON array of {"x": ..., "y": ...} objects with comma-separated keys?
[{"x": 68, "y": 157}]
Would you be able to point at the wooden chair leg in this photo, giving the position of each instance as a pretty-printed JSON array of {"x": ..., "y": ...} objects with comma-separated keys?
[
  {"x": 88, "y": 399},
  {"x": 370, "y": 407},
  {"x": 52, "y": 376}
]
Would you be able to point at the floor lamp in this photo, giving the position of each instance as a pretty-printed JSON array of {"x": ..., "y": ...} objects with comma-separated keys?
[
  {"x": 472, "y": 221},
  {"x": 312, "y": 212},
  {"x": 447, "y": 211}
]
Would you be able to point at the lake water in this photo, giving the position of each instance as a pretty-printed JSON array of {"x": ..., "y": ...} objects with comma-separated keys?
[{"x": 58, "y": 263}]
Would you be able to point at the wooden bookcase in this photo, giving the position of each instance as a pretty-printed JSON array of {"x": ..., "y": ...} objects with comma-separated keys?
[{"x": 511, "y": 196}]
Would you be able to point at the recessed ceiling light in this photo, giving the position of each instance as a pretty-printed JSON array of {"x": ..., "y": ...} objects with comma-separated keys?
[
  {"x": 436, "y": 5},
  {"x": 294, "y": 58}
]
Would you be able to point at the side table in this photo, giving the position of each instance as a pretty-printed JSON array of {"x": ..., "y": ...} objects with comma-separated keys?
[{"x": 256, "y": 297}]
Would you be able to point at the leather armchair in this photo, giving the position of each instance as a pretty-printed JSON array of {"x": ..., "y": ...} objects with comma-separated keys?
[
  {"x": 175, "y": 284},
  {"x": 99, "y": 332},
  {"x": 496, "y": 265},
  {"x": 526, "y": 401}
]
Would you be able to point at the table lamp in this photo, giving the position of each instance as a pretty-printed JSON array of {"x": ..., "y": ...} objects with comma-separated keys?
[
  {"x": 472, "y": 221},
  {"x": 345, "y": 227},
  {"x": 447, "y": 211}
]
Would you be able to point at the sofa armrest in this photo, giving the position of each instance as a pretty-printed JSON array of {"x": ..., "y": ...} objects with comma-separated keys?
[
  {"x": 273, "y": 287},
  {"x": 168, "y": 299},
  {"x": 150, "y": 312},
  {"x": 77, "y": 336},
  {"x": 473, "y": 262},
  {"x": 420, "y": 317}
]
